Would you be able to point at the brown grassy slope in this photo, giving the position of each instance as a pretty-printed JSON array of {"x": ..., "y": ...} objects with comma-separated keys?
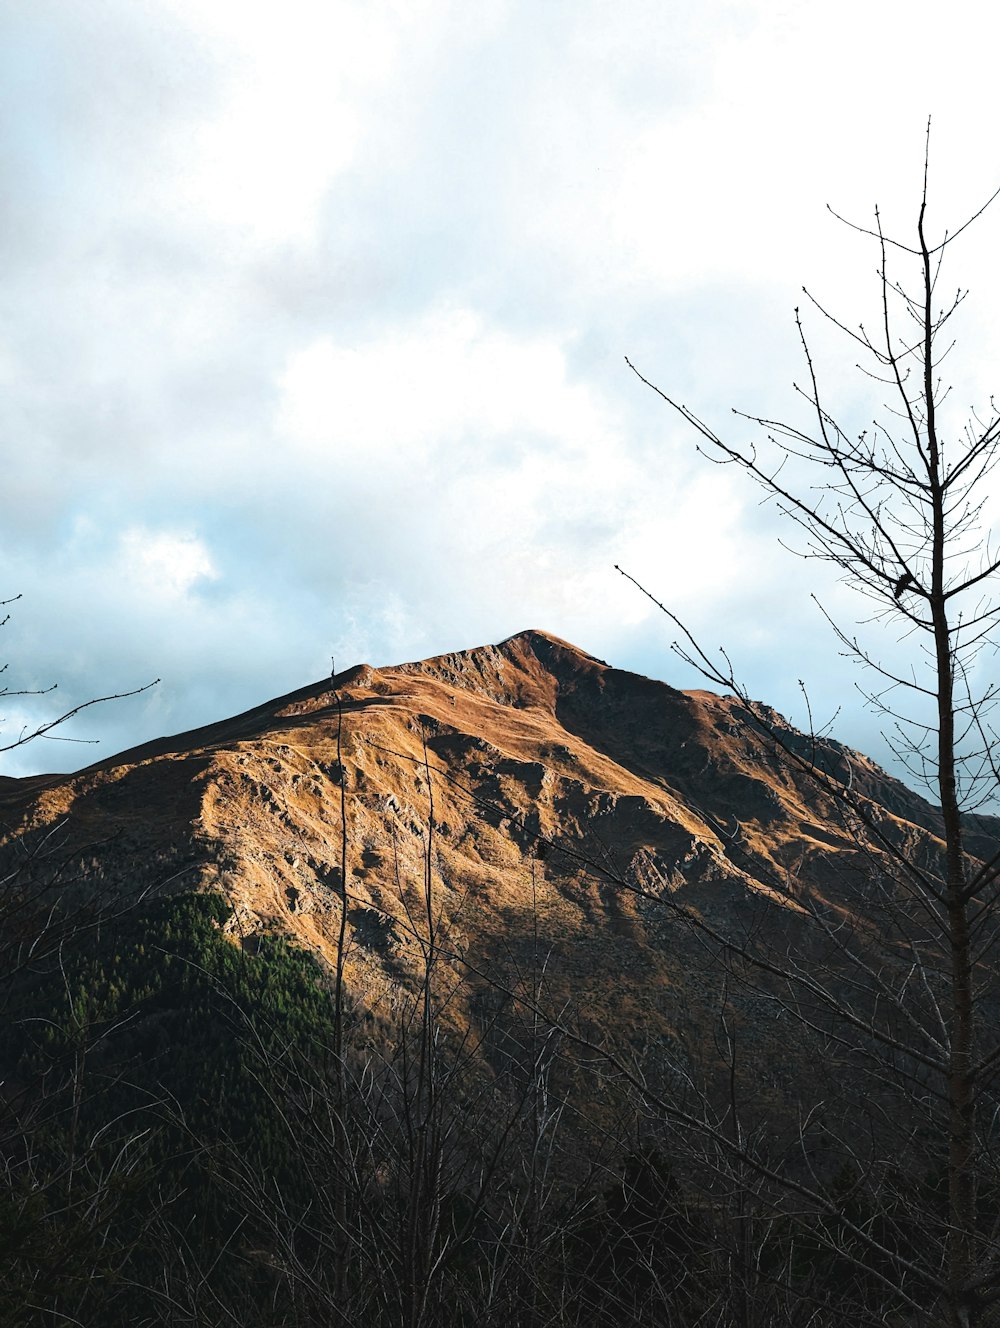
[{"x": 568, "y": 796}]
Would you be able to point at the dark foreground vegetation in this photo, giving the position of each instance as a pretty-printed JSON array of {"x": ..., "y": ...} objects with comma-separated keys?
[{"x": 183, "y": 1146}]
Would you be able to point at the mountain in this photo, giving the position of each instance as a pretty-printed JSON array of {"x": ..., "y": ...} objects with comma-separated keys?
[
  {"x": 583, "y": 908},
  {"x": 569, "y": 799}
]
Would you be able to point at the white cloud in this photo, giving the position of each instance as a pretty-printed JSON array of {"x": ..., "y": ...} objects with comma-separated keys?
[
  {"x": 447, "y": 379},
  {"x": 297, "y": 94},
  {"x": 162, "y": 564}
]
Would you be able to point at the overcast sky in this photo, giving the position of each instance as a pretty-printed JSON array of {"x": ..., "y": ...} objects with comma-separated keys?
[{"x": 314, "y": 314}]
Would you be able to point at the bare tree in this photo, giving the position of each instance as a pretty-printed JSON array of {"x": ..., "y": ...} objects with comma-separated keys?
[
  {"x": 903, "y": 988},
  {"x": 45, "y": 728}
]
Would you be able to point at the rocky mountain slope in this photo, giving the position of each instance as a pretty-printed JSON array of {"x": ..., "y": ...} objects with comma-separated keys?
[{"x": 562, "y": 808}]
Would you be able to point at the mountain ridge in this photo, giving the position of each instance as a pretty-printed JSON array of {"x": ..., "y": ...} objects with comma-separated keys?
[{"x": 531, "y": 744}]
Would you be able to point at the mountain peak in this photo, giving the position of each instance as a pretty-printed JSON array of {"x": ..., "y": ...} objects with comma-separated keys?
[
  {"x": 535, "y": 639},
  {"x": 533, "y": 724},
  {"x": 530, "y": 669}
]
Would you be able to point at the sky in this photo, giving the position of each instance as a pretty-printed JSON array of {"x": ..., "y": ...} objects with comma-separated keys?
[{"x": 314, "y": 318}]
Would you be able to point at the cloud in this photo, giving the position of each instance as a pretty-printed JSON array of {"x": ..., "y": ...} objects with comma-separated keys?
[
  {"x": 446, "y": 379},
  {"x": 163, "y": 563},
  {"x": 469, "y": 465}
]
